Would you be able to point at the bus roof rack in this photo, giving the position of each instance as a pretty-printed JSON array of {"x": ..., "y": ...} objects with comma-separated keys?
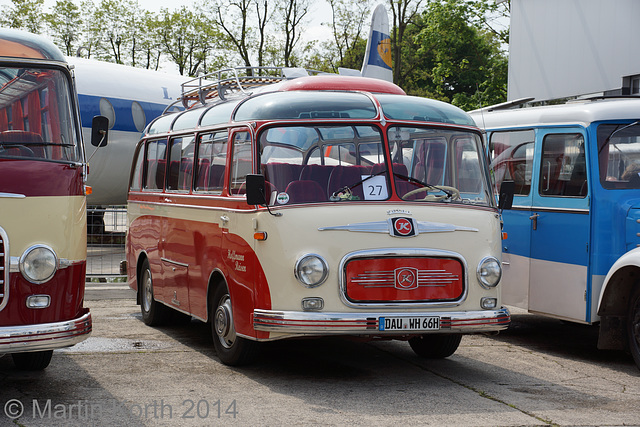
[{"x": 236, "y": 81}]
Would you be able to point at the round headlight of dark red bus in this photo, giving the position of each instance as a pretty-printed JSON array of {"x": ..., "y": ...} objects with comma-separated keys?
[{"x": 38, "y": 264}]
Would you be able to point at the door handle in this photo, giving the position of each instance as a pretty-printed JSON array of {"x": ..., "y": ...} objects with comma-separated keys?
[
  {"x": 534, "y": 218},
  {"x": 224, "y": 219}
]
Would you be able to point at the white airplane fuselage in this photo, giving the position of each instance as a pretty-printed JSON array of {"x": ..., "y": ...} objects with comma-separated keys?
[{"x": 130, "y": 98}]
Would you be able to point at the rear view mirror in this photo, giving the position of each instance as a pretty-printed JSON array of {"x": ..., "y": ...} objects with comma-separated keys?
[
  {"x": 255, "y": 190},
  {"x": 507, "y": 190},
  {"x": 99, "y": 131}
]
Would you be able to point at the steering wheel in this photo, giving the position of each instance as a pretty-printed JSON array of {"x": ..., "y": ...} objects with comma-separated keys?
[
  {"x": 23, "y": 150},
  {"x": 455, "y": 193}
]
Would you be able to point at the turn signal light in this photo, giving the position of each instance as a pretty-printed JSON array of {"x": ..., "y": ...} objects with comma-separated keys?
[
  {"x": 88, "y": 190},
  {"x": 261, "y": 235},
  {"x": 504, "y": 235}
]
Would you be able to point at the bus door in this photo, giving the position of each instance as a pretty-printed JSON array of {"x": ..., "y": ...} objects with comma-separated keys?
[
  {"x": 512, "y": 159},
  {"x": 559, "y": 225},
  {"x": 178, "y": 248},
  {"x": 237, "y": 229}
]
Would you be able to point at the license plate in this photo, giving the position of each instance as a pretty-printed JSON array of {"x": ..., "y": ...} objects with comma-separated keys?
[{"x": 417, "y": 323}]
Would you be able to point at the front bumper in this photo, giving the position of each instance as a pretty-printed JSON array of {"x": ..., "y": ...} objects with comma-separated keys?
[
  {"x": 45, "y": 336},
  {"x": 319, "y": 323}
]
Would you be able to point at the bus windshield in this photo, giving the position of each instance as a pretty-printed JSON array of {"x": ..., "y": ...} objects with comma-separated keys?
[
  {"x": 619, "y": 155},
  {"x": 36, "y": 122},
  {"x": 318, "y": 163}
]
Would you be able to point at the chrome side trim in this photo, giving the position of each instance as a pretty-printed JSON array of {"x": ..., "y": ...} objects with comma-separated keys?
[
  {"x": 5, "y": 267},
  {"x": 294, "y": 323},
  {"x": 181, "y": 264},
  {"x": 401, "y": 252},
  {"x": 45, "y": 336},
  {"x": 581, "y": 211},
  {"x": 12, "y": 196}
]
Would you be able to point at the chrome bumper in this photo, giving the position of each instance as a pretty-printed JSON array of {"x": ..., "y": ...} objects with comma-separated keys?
[
  {"x": 320, "y": 323},
  {"x": 44, "y": 336}
]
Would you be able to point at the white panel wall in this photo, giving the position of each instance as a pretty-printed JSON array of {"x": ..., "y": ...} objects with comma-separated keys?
[{"x": 561, "y": 48}]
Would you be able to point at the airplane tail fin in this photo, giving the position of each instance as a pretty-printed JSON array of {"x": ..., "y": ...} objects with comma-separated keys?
[{"x": 377, "y": 58}]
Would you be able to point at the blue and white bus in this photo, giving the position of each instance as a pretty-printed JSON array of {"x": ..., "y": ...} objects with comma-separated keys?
[{"x": 574, "y": 228}]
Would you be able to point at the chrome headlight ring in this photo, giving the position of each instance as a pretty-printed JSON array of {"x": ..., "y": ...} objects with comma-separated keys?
[
  {"x": 38, "y": 264},
  {"x": 489, "y": 272},
  {"x": 311, "y": 270}
]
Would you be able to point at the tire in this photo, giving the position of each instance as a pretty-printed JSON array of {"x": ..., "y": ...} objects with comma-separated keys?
[
  {"x": 633, "y": 326},
  {"x": 435, "y": 346},
  {"x": 232, "y": 350},
  {"x": 153, "y": 312},
  {"x": 32, "y": 361}
]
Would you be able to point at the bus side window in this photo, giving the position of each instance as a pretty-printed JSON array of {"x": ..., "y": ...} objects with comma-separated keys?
[
  {"x": 181, "y": 163},
  {"x": 211, "y": 162},
  {"x": 136, "y": 180},
  {"x": 155, "y": 164},
  {"x": 563, "y": 167},
  {"x": 241, "y": 162},
  {"x": 511, "y": 155}
]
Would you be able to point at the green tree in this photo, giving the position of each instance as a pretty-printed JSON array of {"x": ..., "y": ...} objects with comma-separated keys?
[
  {"x": 455, "y": 59},
  {"x": 65, "y": 25},
  {"x": 24, "y": 15},
  {"x": 349, "y": 32},
  {"x": 403, "y": 13},
  {"x": 292, "y": 13},
  {"x": 186, "y": 38}
]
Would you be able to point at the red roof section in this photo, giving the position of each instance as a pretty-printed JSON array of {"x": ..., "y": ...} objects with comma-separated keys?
[{"x": 336, "y": 82}]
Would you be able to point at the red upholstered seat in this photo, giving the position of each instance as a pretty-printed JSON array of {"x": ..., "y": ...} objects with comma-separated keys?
[{"x": 306, "y": 191}]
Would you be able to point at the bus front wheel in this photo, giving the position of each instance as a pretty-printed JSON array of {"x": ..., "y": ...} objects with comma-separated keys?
[
  {"x": 435, "y": 346},
  {"x": 633, "y": 326},
  {"x": 231, "y": 349},
  {"x": 32, "y": 361}
]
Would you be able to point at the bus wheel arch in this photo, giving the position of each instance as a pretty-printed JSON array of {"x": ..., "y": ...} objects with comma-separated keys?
[
  {"x": 614, "y": 307},
  {"x": 231, "y": 349}
]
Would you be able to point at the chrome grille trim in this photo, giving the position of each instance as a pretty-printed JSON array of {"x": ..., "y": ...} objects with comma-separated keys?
[
  {"x": 402, "y": 252},
  {"x": 4, "y": 265}
]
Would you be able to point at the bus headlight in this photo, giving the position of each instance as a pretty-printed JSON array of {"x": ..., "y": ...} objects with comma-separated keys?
[
  {"x": 311, "y": 270},
  {"x": 489, "y": 272},
  {"x": 38, "y": 264}
]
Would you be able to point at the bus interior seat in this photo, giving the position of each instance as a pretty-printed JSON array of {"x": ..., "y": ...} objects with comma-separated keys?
[{"x": 306, "y": 191}]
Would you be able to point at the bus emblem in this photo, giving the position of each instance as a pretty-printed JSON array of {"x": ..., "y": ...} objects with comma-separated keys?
[
  {"x": 403, "y": 227},
  {"x": 406, "y": 278}
]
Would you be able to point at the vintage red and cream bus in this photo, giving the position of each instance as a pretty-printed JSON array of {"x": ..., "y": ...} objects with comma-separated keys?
[
  {"x": 42, "y": 203},
  {"x": 311, "y": 206}
]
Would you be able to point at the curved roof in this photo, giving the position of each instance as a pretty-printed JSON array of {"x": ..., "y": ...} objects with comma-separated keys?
[
  {"x": 20, "y": 44},
  {"x": 338, "y": 82},
  {"x": 581, "y": 113}
]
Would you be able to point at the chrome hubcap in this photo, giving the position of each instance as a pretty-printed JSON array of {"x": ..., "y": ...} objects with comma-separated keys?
[
  {"x": 147, "y": 292},
  {"x": 224, "y": 322}
]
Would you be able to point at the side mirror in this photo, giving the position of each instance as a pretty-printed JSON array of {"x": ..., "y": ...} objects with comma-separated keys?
[
  {"x": 99, "y": 131},
  {"x": 505, "y": 200},
  {"x": 255, "y": 190}
]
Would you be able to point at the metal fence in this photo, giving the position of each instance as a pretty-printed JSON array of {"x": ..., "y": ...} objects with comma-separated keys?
[{"x": 106, "y": 228}]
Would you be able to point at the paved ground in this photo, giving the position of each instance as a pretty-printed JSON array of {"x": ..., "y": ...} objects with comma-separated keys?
[{"x": 540, "y": 372}]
